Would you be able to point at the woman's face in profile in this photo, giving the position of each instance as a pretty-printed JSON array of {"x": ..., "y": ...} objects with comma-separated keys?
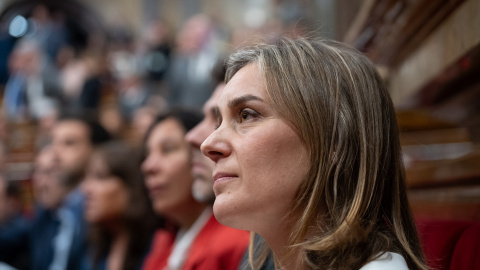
[
  {"x": 167, "y": 168},
  {"x": 106, "y": 197},
  {"x": 259, "y": 157}
]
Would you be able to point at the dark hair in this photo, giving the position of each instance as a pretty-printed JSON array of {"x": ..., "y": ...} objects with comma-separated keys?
[
  {"x": 188, "y": 119},
  {"x": 218, "y": 72},
  {"x": 139, "y": 218},
  {"x": 98, "y": 134},
  {"x": 13, "y": 189}
]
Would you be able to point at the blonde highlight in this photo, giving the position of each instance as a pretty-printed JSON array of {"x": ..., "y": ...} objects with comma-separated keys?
[{"x": 354, "y": 197}]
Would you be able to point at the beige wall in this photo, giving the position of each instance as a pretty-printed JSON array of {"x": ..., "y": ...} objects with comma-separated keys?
[
  {"x": 114, "y": 12},
  {"x": 130, "y": 13},
  {"x": 231, "y": 12}
]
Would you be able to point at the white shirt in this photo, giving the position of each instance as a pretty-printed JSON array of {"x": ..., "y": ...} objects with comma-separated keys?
[
  {"x": 184, "y": 240},
  {"x": 388, "y": 261}
]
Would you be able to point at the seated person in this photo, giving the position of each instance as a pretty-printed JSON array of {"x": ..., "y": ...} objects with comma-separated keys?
[
  {"x": 37, "y": 235},
  {"x": 203, "y": 167},
  {"x": 191, "y": 238},
  {"x": 117, "y": 209},
  {"x": 307, "y": 155},
  {"x": 14, "y": 227}
]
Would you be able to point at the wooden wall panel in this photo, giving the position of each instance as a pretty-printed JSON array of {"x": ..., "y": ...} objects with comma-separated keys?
[{"x": 458, "y": 203}]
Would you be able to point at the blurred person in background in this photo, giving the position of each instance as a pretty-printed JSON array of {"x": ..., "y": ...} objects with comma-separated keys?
[
  {"x": 14, "y": 227},
  {"x": 132, "y": 92},
  {"x": 131, "y": 85},
  {"x": 192, "y": 238},
  {"x": 32, "y": 240},
  {"x": 117, "y": 208},
  {"x": 5, "y": 259},
  {"x": 197, "y": 50},
  {"x": 156, "y": 53},
  {"x": 49, "y": 193},
  {"x": 14, "y": 96},
  {"x": 4, "y": 204},
  {"x": 202, "y": 170},
  {"x": 74, "y": 137},
  {"x": 3, "y": 139},
  {"x": 81, "y": 80},
  {"x": 49, "y": 30},
  {"x": 142, "y": 119},
  {"x": 47, "y": 188},
  {"x": 32, "y": 91},
  {"x": 112, "y": 120}
]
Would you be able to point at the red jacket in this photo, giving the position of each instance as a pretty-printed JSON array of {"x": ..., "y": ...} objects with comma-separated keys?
[{"x": 215, "y": 247}]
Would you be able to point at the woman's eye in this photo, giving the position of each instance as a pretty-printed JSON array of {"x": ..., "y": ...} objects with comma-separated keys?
[
  {"x": 247, "y": 114},
  {"x": 99, "y": 175},
  {"x": 168, "y": 149},
  {"x": 218, "y": 122}
]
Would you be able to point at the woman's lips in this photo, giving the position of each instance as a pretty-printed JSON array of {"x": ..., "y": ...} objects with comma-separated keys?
[
  {"x": 156, "y": 189},
  {"x": 221, "y": 176}
]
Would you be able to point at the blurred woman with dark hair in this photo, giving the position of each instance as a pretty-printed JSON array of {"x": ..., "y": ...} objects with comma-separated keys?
[
  {"x": 117, "y": 208},
  {"x": 192, "y": 237}
]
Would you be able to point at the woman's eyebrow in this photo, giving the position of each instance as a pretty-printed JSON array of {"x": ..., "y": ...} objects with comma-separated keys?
[
  {"x": 167, "y": 141},
  {"x": 242, "y": 99},
  {"x": 235, "y": 102}
]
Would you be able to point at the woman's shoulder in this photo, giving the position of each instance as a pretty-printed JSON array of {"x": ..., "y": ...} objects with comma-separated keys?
[{"x": 388, "y": 261}]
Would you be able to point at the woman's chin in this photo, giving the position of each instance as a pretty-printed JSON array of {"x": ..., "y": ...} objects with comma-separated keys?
[{"x": 227, "y": 213}]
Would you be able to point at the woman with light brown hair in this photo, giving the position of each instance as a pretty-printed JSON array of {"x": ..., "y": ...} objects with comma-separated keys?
[{"x": 307, "y": 155}]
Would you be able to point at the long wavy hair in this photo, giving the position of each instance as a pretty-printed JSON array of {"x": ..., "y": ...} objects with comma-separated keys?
[{"x": 354, "y": 196}]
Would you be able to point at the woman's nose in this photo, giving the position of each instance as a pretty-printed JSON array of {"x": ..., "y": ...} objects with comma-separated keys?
[
  {"x": 216, "y": 146},
  {"x": 148, "y": 165}
]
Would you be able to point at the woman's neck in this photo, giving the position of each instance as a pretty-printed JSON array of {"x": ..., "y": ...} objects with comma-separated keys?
[
  {"x": 118, "y": 249},
  {"x": 277, "y": 238}
]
